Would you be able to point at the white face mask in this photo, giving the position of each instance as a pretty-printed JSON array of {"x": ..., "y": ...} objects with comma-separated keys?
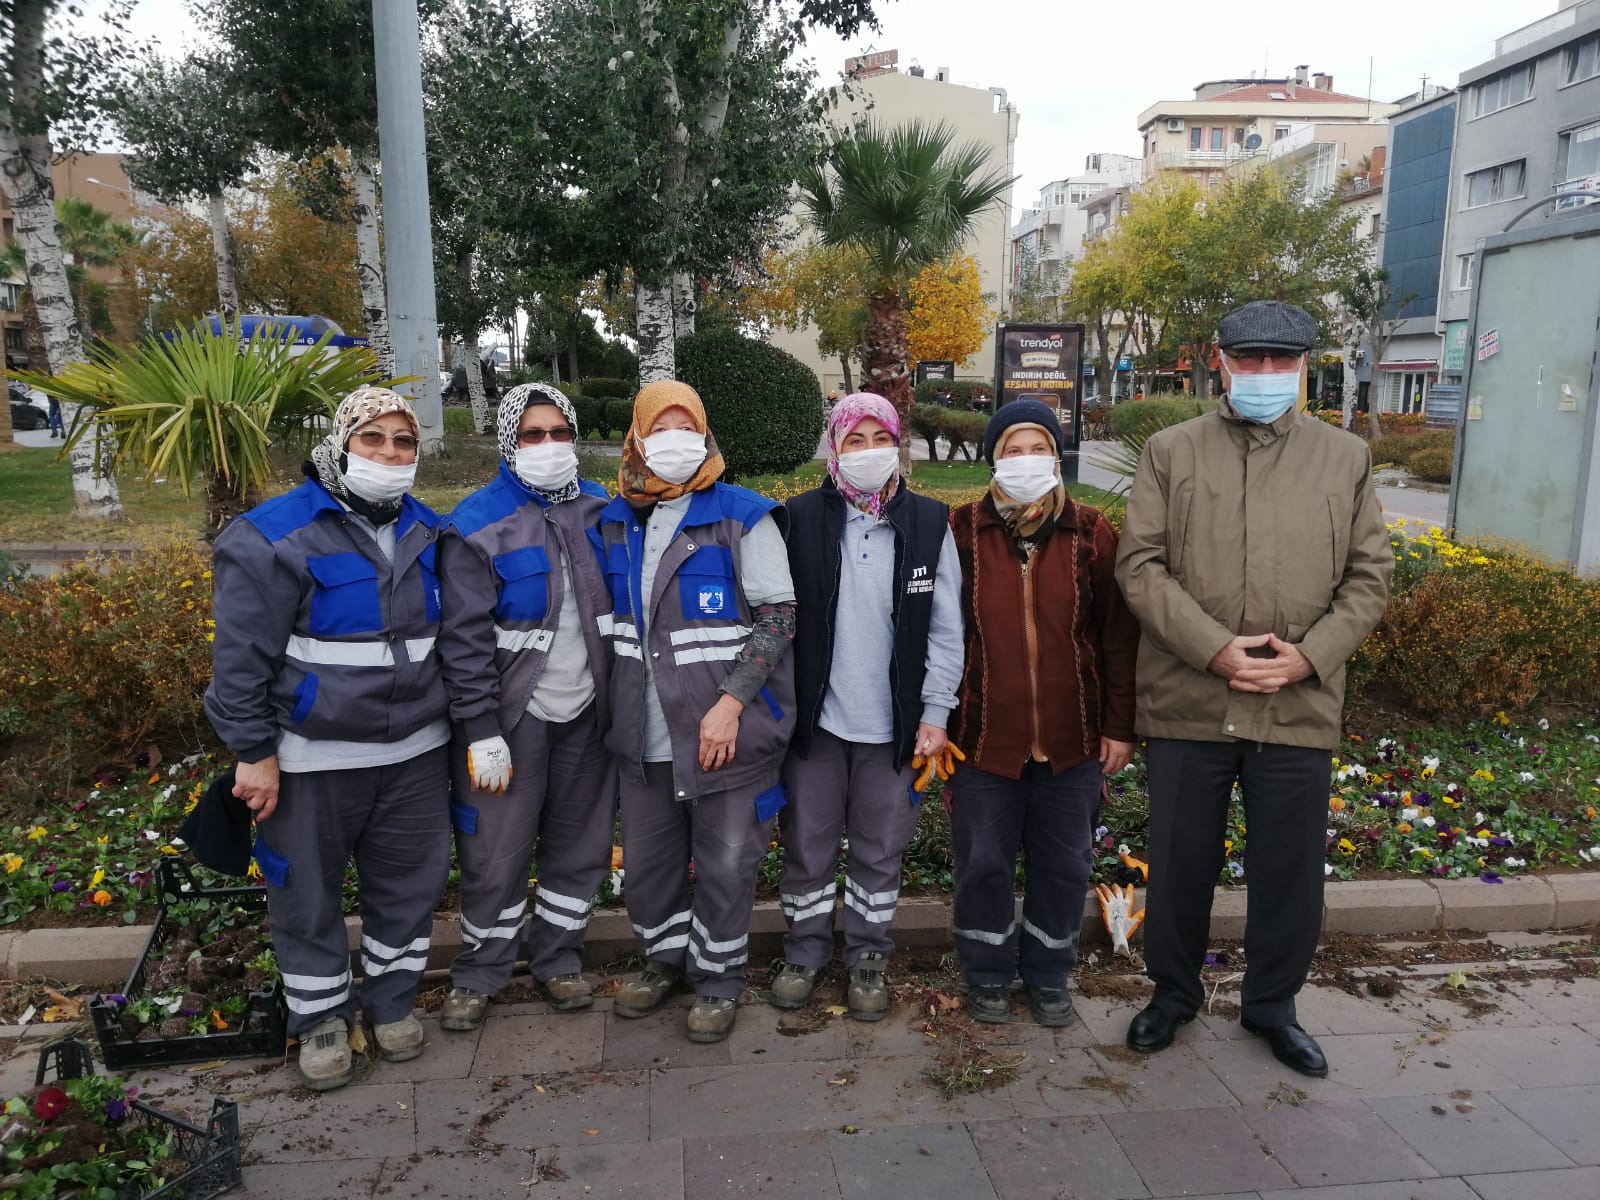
[
  {"x": 375, "y": 482},
  {"x": 869, "y": 470},
  {"x": 548, "y": 466},
  {"x": 675, "y": 454},
  {"x": 1026, "y": 477}
]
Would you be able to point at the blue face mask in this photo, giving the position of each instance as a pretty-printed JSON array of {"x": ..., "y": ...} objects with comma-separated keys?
[{"x": 1264, "y": 398}]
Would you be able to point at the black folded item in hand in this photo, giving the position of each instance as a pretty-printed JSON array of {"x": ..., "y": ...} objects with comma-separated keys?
[{"x": 219, "y": 831}]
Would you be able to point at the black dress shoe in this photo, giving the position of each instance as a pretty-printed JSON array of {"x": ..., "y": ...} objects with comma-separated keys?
[
  {"x": 1292, "y": 1046},
  {"x": 1153, "y": 1029}
]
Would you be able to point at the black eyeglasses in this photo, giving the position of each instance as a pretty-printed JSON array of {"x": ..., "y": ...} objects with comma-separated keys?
[
  {"x": 1281, "y": 359},
  {"x": 533, "y": 437},
  {"x": 374, "y": 439}
]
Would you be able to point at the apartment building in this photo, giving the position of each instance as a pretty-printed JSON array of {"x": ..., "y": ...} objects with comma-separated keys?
[
  {"x": 1050, "y": 234},
  {"x": 1229, "y": 120},
  {"x": 1527, "y": 127}
]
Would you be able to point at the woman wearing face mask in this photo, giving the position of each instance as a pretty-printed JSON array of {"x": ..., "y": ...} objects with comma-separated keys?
[
  {"x": 877, "y": 660},
  {"x": 526, "y": 671},
  {"x": 702, "y": 702},
  {"x": 1045, "y": 711},
  {"x": 327, "y": 688}
]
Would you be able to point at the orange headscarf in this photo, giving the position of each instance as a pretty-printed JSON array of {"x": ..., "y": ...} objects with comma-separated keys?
[{"x": 638, "y": 485}]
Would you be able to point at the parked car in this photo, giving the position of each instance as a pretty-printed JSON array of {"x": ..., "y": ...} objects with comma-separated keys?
[{"x": 29, "y": 408}]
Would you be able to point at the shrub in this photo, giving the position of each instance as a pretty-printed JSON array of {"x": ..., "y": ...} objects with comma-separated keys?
[
  {"x": 1432, "y": 463},
  {"x": 965, "y": 431},
  {"x": 764, "y": 405},
  {"x": 966, "y": 393},
  {"x": 1398, "y": 448},
  {"x": 107, "y": 657},
  {"x": 603, "y": 387},
  {"x": 926, "y": 421},
  {"x": 619, "y": 415},
  {"x": 1397, "y": 422},
  {"x": 1134, "y": 418},
  {"x": 591, "y": 414}
]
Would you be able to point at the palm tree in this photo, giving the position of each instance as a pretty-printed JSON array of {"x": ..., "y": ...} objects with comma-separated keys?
[
  {"x": 906, "y": 197},
  {"x": 90, "y": 238},
  {"x": 200, "y": 404}
]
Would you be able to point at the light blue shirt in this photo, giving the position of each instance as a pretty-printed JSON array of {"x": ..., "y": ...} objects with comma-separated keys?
[{"x": 858, "y": 705}]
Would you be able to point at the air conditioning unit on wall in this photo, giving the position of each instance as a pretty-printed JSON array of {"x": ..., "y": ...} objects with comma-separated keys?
[{"x": 1174, "y": 124}]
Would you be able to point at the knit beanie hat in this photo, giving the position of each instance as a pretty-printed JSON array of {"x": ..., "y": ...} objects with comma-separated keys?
[{"x": 1019, "y": 412}]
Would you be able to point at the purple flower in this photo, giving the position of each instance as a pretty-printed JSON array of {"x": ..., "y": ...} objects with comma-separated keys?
[
  {"x": 1422, "y": 799},
  {"x": 117, "y": 1109},
  {"x": 116, "y": 998},
  {"x": 1440, "y": 869},
  {"x": 50, "y": 870},
  {"x": 61, "y": 885},
  {"x": 188, "y": 1012},
  {"x": 1499, "y": 841},
  {"x": 1490, "y": 877},
  {"x": 1211, "y": 960},
  {"x": 1374, "y": 836}
]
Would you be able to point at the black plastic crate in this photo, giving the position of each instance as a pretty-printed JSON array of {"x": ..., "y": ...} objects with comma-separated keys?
[
  {"x": 260, "y": 1031},
  {"x": 211, "y": 1154}
]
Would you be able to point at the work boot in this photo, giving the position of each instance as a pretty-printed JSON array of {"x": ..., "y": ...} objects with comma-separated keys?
[
  {"x": 325, "y": 1061},
  {"x": 399, "y": 1040},
  {"x": 792, "y": 987},
  {"x": 568, "y": 993},
  {"x": 868, "y": 998},
  {"x": 711, "y": 1019},
  {"x": 463, "y": 1009},
  {"x": 991, "y": 1005},
  {"x": 1051, "y": 1006},
  {"x": 649, "y": 991}
]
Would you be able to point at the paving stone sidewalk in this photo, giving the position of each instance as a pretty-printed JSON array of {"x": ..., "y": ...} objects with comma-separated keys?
[{"x": 1437, "y": 1093}]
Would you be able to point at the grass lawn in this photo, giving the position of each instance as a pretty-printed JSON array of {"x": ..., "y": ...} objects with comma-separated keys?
[{"x": 36, "y": 491}]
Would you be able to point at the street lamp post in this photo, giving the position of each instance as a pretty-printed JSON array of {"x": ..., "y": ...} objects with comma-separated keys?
[{"x": 407, "y": 241}]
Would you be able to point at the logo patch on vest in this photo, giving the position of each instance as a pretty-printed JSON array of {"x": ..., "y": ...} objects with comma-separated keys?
[
  {"x": 920, "y": 582},
  {"x": 713, "y": 597}
]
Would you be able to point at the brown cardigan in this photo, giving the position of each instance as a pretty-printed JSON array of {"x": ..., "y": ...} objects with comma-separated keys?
[{"x": 1085, "y": 642}]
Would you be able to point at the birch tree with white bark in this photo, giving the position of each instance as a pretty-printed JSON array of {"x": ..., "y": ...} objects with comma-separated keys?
[
  {"x": 685, "y": 124},
  {"x": 54, "y": 83}
]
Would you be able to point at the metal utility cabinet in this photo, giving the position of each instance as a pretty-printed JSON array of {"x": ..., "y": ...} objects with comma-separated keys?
[{"x": 1527, "y": 465}]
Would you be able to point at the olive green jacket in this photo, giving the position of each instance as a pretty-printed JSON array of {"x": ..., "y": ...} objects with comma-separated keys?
[{"x": 1235, "y": 528}]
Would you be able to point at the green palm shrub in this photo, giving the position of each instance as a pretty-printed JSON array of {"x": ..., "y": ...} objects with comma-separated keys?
[{"x": 200, "y": 405}]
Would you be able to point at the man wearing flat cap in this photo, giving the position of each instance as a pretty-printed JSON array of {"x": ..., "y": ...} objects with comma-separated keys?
[{"x": 1255, "y": 555}]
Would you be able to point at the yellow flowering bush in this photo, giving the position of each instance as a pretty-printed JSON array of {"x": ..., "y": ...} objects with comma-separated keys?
[
  {"x": 106, "y": 657},
  {"x": 1475, "y": 628}
]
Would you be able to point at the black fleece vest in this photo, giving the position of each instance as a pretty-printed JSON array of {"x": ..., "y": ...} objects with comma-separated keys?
[{"x": 816, "y": 527}]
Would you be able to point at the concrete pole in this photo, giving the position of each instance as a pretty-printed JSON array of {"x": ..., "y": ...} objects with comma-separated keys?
[{"x": 407, "y": 236}]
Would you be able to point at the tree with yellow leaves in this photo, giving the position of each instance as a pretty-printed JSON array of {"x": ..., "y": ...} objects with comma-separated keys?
[
  {"x": 814, "y": 284},
  {"x": 949, "y": 315}
]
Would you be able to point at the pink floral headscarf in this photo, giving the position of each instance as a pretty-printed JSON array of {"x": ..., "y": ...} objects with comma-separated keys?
[{"x": 846, "y": 415}]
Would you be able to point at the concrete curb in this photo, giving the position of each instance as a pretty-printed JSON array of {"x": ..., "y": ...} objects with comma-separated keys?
[{"x": 1363, "y": 907}]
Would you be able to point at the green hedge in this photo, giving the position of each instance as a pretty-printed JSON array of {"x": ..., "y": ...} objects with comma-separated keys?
[
  {"x": 1433, "y": 464},
  {"x": 963, "y": 393},
  {"x": 591, "y": 415},
  {"x": 964, "y": 430},
  {"x": 1143, "y": 417},
  {"x": 763, "y": 405},
  {"x": 605, "y": 388}
]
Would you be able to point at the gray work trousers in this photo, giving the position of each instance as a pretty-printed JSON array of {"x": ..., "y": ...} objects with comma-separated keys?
[
  {"x": 557, "y": 811},
  {"x": 394, "y": 821},
  {"x": 854, "y": 790},
  {"x": 704, "y": 936},
  {"x": 1047, "y": 816}
]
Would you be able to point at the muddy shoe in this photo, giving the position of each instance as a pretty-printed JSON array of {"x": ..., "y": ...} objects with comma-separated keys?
[
  {"x": 711, "y": 1019},
  {"x": 868, "y": 998},
  {"x": 399, "y": 1040},
  {"x": 325, "y": 1061},
  {"x": 463, "y": 1009},
  {"x": 568, "y": 993},
  {"x": 793, "y": 985},
  {"x": 642, "y": 996},
  {"x": 1051, "y": 1006},
  {"x": 991, "y": 1005}
]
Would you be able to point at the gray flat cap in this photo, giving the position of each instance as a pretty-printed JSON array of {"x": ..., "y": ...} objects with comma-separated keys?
[{"x": 1267, "y": 325}]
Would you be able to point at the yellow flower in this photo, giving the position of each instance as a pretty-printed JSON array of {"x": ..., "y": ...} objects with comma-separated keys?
[
  {"x": 1346, "y": 846},
  {"x": 168, "y": 850},
  {"x": 1227, "y": 845},
  {"x": 187, "y": 583},
  {"x": 1426, "y": 773},
  {"x": 103, "y": 839},
  {"x": 254, "y": 872},
  {"x": 1500, "y": 718},
  {"x": 37, "y": 832},
  {"x": 99, "y": 875},
  {"x": 1481, "y": 773},
  {"x": 1425, "y": 852},
  {"x": 1449, "y": 803},
  {"x": 13, "y": 863}
]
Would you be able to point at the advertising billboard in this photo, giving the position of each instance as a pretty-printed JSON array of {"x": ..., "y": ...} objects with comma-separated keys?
[
  {"x": 943, "y": 369},
  {"x": 1044, "y": 363}
]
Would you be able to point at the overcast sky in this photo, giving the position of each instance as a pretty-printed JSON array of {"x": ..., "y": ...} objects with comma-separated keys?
[{"x": 1081, "y": 73}]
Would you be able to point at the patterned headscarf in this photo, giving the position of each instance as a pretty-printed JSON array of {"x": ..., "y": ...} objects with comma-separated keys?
[
  {"x": 355, "y": 410},
  {"x": 513, "y": 405},
  {"x": 637, "y": 483},
  {"x": 846, "y": 415},
  {"x": 1031, "y": 521}
]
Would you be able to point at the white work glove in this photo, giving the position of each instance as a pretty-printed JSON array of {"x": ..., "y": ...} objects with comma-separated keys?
[
  {"x": 1116, "y": 906},
  {"x": 489, "y": 764}
]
